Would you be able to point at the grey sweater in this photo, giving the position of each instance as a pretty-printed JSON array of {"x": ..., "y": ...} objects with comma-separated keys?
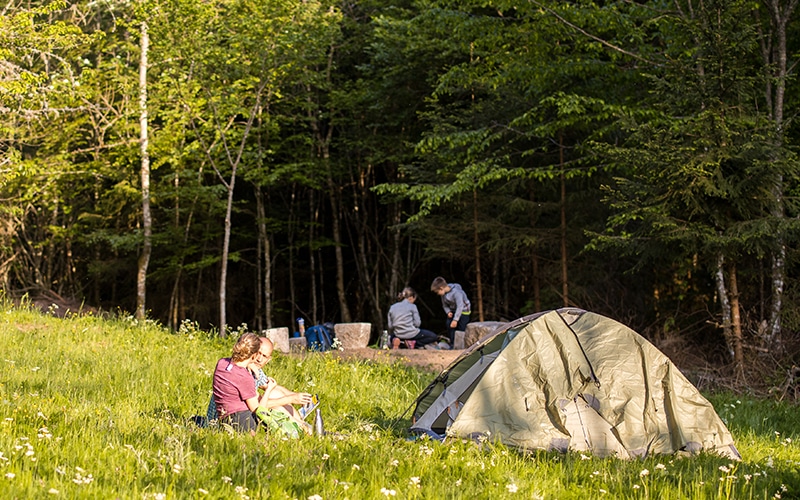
[
  {"x": 455, "y": 301},
  {"x": 404, "y": 320}
]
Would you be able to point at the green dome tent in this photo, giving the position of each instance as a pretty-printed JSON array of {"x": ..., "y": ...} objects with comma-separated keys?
[{"x": 571, "y": 380}]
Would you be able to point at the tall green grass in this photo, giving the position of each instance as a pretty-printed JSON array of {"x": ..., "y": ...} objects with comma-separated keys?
[{"x": 94, "y": 408}]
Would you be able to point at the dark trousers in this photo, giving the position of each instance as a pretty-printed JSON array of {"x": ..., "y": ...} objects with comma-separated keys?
[
  {"x": 423, "y": 338},
  {"x": 242, "y": 421},
  {"x": 461, "y": 326}
]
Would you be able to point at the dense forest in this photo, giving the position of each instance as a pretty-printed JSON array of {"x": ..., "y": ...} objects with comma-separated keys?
[{"x": 254, "y": 161}]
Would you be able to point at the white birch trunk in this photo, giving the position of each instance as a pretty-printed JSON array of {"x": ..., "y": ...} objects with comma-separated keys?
[{"x": 147, "y": 223}]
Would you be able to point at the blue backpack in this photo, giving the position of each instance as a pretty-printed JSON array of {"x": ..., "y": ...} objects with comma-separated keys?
[{"x": 318, "y": 338}]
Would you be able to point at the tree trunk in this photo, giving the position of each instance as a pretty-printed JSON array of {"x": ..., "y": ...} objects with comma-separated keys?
[
  {"x": 337, "y": 239},
  {"x": 264, "y": 260},
  {"x": 233, "y": 160},
  {"x": 736, "y": 326},
  {"x": 223, "y": 268},
  {"x": 537, "y": 294},
  {"x": 313, "y": 210},
  {"x": 775, "y": 56},
  {"x": 564, "y": 283},
  {"x": 394, "y": 271},
  {"x": 369, "y": 274},
  {"x": 536, "y": 279},
  {"x": 725, "y": 304},
  {"x": 290, "y": 236},
  {"x": 147, "y": 223},
  {"x": 477, "y": 243}
]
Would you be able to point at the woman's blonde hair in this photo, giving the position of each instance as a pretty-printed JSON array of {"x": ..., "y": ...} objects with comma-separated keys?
[
  {"x": 407, "y": 293},
  {"x": 244, "y": 348}
]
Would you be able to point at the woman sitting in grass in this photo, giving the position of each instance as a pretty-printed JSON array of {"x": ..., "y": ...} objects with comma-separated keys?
[{"x": 235, "y": 393}]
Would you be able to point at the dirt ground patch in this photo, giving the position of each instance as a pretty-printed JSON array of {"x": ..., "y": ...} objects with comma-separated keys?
[{"x": 433, "y": 361}]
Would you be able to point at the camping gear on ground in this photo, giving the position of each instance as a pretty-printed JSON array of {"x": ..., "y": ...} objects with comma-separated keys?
[
  {"x": 308, "y": 408},
  {"x": 384, "y": 343},
  {"x": 318, "y": 338},
  {"x": 319, "y": 427},
  {"x": 570, "y": 379},
  {"x": 279, "y": 422}
]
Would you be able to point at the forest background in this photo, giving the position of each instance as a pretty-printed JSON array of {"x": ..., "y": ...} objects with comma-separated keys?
[{"x": 254, "y": 161}]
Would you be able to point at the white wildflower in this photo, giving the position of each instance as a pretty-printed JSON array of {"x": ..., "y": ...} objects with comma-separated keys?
[
  {"x": 512, "y": 488},
  {"x": 388, "y": 493},
  {"x": 644, "y": 473}
]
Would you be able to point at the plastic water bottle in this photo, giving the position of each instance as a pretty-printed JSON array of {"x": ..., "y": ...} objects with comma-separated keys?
[
  {"x": 301, "y": 326},
  {"x": 319, "y": 428},
  {"x": 385, "y": 339}
]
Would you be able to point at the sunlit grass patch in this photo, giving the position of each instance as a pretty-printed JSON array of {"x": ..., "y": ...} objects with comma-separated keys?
[{"x": 93, "y": 408}]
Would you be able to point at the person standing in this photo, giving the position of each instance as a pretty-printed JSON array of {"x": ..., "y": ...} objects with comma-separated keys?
[
  {"x": 455, "y": 304},
  {"x": 404, "y": 322}
]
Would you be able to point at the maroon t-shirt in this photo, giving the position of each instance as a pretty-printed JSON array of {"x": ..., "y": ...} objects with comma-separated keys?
[{"x": 231, "y": 387}]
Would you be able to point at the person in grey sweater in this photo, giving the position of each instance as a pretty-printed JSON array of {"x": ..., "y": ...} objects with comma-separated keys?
[
  {"x": 455, "y": 304},
  {"x": 404, "y": 322}
]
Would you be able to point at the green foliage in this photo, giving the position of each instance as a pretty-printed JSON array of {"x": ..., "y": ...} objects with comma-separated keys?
[{"x": 94, "y": 408}]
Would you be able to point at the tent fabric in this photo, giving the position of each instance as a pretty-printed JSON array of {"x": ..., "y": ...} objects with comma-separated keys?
[{"x": 571, "y": 380}]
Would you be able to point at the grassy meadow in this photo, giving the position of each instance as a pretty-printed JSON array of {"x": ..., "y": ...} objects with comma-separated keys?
[{"x": 99, "y": 408}]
